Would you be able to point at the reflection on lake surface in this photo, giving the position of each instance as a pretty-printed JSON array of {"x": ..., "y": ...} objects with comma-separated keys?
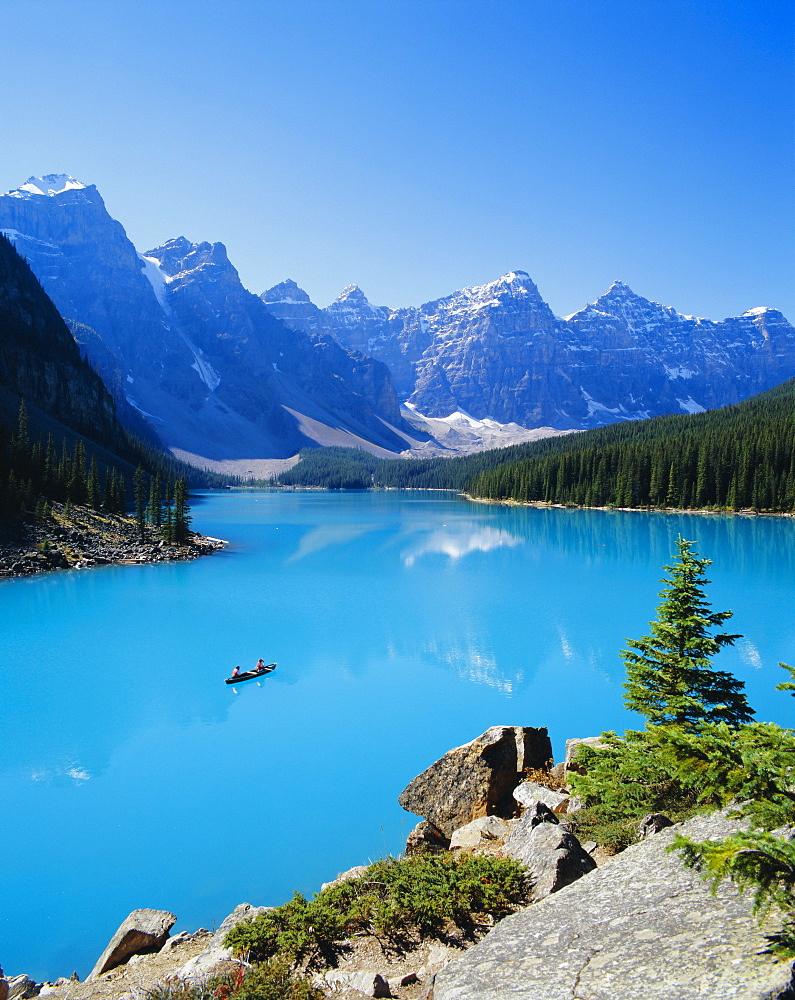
[{"x": 403, "y": 624}]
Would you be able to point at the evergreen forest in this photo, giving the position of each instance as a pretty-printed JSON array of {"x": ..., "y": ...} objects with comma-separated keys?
[
  {"x": 741, "y": 457},
  {"x": 38, "y": 472}
]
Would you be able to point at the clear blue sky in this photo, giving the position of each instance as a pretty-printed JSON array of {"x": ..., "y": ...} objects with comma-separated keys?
[{"x": 418, "y": 146}]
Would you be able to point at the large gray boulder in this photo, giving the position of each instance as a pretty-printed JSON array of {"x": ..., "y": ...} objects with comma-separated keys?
[
  {"x": 476, "y": 779},
  {"x": 142, "y": 932},
  {"x": 553, "y": 854},
  {"x": 642, "y": 927}
]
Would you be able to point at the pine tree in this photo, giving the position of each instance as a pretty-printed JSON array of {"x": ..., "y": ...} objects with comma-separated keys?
[
  {"x": 92, "y": 484},
  {"x": 155, "y": 509},
  {"x": 181, "y": 512},
  {"x": 669, "y": 676},
  {"x": 139, "y": 494}
]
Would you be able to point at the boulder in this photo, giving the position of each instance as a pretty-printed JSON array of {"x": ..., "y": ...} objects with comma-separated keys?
[
  {"x": 476, "y": 779},
  {"x": 356, "y": 872},
  {"x": 21, "y": 988},
  {"x": 553, "y": 854},
  {"x": 196, "y": 969},
  {"x": 652, "y": 823},
  {"x": 426, "y": 838},
  {"x": 481, "y": 831},
  {"x": 144, "y": 931},
  {"x": 643, "y": 927},
  {"x": 366, "y": 982},
  {"x": 573, "y": 745},
  {"x": 530, "y": 792}
]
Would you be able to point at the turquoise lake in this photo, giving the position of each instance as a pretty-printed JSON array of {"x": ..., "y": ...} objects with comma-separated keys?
[{"x": 403, "y": 623}]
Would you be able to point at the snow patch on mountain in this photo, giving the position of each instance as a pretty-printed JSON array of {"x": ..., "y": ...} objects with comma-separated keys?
[
  {"x": 47, "y": 185},
  {"x": 689, "y": 405},
  {"x": 158, "y": 279},
  {"x": 459, "y": 433}
]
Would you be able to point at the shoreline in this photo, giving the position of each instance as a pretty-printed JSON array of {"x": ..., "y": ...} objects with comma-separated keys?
[
  {"x": 90, "y": 538},
  {"x": 745, "y": 512}
]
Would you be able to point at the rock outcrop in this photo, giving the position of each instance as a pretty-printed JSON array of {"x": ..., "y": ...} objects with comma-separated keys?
[
  {"x": 485, "y": 830},
  {"x": 426, "y": 838},
  {"x": 142, "y": 932},
  {"x": 199, "y": 967},
  {"x": 476, "y": 779},
  {"x": 552, "y": 854},
  {"x": 530, "y": 792},
  {"x": 641, "y": 928}
]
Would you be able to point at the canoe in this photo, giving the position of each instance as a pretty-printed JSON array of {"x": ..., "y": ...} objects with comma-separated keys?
[{"x": 248, "y": 675}]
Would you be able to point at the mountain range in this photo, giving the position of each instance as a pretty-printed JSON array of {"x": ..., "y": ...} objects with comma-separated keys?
[
  {"x": 220, "y": 375},
  {"x": 189, "y": 355},
  {"x": 498, "y": 351}
]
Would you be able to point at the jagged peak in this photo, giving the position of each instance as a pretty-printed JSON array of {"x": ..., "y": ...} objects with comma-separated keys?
[
  {"x": 180, "y": 255},
  {"x": 47, "y": 185},
  {"x": 286, "y": 291},
  {"x": 352, "y": 294}
]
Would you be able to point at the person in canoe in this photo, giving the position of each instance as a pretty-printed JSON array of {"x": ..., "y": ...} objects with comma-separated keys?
[
  {"x": 260, "y": 666},
  {"x": 236, "y": 672}
]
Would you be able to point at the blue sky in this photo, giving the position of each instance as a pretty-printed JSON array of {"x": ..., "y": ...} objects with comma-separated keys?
[{"x": 418, "y": 147}]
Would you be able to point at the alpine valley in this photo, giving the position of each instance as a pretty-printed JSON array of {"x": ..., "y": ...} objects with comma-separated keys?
[{"x": 225, "y": 378}]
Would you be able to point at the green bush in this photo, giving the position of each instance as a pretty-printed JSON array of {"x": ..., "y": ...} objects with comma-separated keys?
[
  {"x": 393, "y": 899},
  {"x": 273, "y": 980},
  {"x": 626, "y": 779}
]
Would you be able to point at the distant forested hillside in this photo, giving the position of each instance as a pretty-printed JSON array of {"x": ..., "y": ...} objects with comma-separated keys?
[
  {"x": 735, "y": 458},
  {"x": 739, "y": 457}
]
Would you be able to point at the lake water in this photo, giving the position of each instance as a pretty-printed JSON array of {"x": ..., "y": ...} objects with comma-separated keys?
[{"x": 403, "y": 624}]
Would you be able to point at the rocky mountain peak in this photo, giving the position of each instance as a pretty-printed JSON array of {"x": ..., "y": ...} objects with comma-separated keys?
[
  {"x": 47, "y": 185},
  {"x": 180, "y": 255},
  {"x": 351, "y": 295},
  {"x": 286, "y": 291}
]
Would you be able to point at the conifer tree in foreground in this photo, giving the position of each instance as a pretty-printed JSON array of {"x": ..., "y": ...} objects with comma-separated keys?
[{"x": 669, "y": 674}]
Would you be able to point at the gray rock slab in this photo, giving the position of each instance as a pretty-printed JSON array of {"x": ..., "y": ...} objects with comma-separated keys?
[
  {"x": 553, "y": 854},
  {"x": 485, "y": 830},
  {"x": 143, "y": 931},
  {"x": 476, "y": 779},
  {"x": 642, "y": 927},
  {"x": 21, "y": 988},
  {"x": 530, "y": 792}
]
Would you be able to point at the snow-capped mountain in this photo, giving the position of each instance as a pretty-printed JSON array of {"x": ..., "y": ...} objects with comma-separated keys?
[
  {"x": 498, "y": 351},
  {"x": 184, "y": 348}
]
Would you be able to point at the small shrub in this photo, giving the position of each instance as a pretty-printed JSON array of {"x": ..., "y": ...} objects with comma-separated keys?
[
  {"x": 393, "y": 899},
  {"x": 545, "y": 776},
  {"x": 275, "y": 980}
]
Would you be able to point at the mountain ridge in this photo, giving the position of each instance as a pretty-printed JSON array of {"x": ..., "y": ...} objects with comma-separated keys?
[{"x": 498, "y": 351}]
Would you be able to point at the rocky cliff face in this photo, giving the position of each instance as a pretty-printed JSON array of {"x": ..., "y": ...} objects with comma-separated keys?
[
  {"x": 184, "y": 347},
  {"x": 40, "y": 361},
  {"x": 498, "y": 351}
]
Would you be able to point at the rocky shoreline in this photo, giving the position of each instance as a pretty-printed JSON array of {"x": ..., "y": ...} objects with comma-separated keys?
[
  {"x": 745, "y": 512},
  {"x": 641, "y": 927},
  {"x": 84, "y": 537}
]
